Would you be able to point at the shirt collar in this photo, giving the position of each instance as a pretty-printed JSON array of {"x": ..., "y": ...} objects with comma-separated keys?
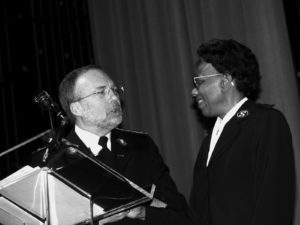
[{"x": 91, "y": 140}]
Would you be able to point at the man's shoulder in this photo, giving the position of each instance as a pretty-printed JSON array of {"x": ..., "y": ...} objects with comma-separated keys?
[
  {"x": 133, "y": 139},
  {"x": 131, "y": 132},
  {"x": 132, "y": 136}
]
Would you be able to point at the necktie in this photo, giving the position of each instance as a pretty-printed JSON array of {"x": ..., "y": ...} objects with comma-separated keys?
[{"x": 105, "y": 155}]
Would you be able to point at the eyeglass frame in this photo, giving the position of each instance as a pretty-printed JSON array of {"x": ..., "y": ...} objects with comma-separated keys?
[
  {"x": 117, "y": 90},
  {"x": 203, "y": 77}
]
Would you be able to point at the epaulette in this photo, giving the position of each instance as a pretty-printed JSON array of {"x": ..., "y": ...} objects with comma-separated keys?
[
  {"x": 265, "y": 106},
  {"x": 132, "y": 131}
]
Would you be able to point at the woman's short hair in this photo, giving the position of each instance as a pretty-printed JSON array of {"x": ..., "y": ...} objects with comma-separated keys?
[{"x": 234, "y": 58}]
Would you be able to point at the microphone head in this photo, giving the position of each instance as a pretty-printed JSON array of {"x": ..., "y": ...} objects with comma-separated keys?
[
  {"x": 40, "y": 95},
  {"x": 43, "y": 99}
]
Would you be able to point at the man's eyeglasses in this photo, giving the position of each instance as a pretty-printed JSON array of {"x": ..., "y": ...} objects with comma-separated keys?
[
  {"x": 201, "y": 78},
  {"x": 105, "y": 91}
]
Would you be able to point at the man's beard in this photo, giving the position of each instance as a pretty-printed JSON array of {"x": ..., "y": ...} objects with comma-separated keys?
[{"x": 112, "y": 119}]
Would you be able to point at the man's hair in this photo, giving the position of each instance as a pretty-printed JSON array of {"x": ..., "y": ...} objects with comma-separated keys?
[
  {"x": 66, "y": 88},
  {"x": 231, "y": 57}
]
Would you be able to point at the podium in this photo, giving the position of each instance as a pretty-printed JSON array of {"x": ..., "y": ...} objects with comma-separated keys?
[{"x": 41, "y": 196}]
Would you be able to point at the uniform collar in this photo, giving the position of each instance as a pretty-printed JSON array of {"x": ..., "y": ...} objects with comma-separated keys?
[
  {"x": 91, "y": 140},
  {"x": 231, "y": 112}
]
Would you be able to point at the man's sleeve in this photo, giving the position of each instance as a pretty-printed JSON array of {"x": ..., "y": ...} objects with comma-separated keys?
[{"x": 177, "y": 210}]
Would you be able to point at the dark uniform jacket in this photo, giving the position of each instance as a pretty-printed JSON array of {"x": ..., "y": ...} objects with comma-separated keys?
[
  {"x": 250, "y": 176},
  {"x": 138, "y": 159}
]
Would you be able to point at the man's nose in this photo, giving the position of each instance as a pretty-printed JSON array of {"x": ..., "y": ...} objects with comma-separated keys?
[{"x": 113, "y": 95}]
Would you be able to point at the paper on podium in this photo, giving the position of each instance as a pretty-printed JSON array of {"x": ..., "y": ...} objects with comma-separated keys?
[
  {"x": 25, "y": 198},
  {"x": 26, "y": 188},
  {"x": 17, "y": 175},
  {"x": 10, "y": 214}
]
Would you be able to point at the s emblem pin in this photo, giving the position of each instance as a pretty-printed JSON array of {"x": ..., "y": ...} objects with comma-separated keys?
[{"x": 242, "y": 114}]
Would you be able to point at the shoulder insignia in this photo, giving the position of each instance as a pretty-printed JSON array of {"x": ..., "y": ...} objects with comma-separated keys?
[
  {"x": 242, "y": 114},
  {"x": 132, "y": 131}
]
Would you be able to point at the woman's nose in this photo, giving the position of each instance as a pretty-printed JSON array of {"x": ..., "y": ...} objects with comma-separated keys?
[{"x": 194, "y": 92}]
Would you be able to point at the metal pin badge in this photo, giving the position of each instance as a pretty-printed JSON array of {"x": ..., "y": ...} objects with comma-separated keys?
[
  {"x": 121, "y": 142},
  {"x": 242, "y": 114}
]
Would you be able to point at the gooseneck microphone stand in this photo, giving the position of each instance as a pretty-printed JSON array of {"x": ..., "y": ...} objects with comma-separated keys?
[{"x": 44, "y": 100}]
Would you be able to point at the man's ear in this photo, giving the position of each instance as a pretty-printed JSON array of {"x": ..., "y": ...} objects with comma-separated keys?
[
  {"x": 76, "y": 108},
  {"x": 227, "y": 82}
]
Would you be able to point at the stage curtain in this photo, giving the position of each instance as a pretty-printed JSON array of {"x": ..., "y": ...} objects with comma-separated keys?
[{"x": 150, "y": 48}]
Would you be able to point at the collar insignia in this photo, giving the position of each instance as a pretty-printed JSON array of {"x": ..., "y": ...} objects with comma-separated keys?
[
  {"x": 242, "y": 114},
  {"x": 121, "y": 142}
]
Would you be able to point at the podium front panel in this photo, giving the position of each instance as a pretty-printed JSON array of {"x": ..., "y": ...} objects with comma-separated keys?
[
  {"x": 10, "y": 214},
  {"x": 28, "y": 192},
  {"x": 67, "y": 206}
]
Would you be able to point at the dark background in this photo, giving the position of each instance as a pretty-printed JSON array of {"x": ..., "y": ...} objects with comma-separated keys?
[{"x": 40, "y": 42}]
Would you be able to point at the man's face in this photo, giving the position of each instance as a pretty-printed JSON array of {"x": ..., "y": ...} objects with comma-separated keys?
[
  {"x": 208, "y": 91},
  {"x": 99, "y": 104}
]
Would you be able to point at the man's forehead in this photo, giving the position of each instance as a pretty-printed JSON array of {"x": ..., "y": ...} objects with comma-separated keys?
[
  {"x": 92, "y": 80},
  {"x": 95, "y": 76}
]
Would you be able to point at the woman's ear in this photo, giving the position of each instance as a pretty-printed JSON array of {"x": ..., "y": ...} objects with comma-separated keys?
[
  {"x": 76, "y": 108},
  {"x": 227, "y": 82}
]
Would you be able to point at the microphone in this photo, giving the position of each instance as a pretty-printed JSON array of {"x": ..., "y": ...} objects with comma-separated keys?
[{"x": 44, "y": 100}]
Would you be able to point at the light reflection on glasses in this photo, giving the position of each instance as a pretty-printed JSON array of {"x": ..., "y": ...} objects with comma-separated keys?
[
  {"x": 103, "y": 92},
  {"x": 201, "y": 78}
]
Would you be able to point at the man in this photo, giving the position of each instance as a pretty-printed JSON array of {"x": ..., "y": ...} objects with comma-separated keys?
[
  {"x": 244, "y": 172},
  {"x": 91, "y": 101}
]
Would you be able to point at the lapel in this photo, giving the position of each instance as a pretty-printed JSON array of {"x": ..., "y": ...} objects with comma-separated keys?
[
  {"x": 122, "y": 147},
  {"x": 68, "y": 152},
  {"x": 76, "y": 141},
  {"x": 231, "y": 130},
  {"x": 205, "y": 147}
]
